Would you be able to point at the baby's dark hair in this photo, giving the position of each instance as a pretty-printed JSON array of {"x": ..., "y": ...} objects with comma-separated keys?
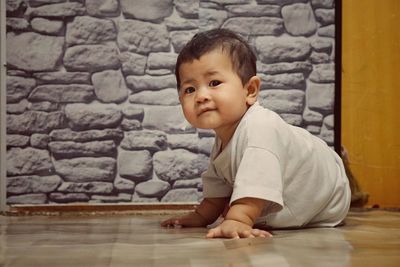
[{"x": 242, "y": 57}]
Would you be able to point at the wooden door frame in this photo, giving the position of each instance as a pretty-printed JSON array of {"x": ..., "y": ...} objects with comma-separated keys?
[
  {"x": 338, "y": 78},
  {"x": 3, "y": 63}
]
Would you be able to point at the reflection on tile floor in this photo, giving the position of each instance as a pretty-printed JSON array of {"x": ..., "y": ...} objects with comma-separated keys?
[{"x": 368, "y": 239}]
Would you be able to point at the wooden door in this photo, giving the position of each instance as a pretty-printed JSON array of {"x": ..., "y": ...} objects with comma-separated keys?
[{"x": 371, "y": 96}]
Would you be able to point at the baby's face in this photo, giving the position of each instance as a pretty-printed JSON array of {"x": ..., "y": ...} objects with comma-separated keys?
[{"x": 211, "y": 93}]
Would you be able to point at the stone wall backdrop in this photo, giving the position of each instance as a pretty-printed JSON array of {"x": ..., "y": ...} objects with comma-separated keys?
[{"x": 92, "y": 107}]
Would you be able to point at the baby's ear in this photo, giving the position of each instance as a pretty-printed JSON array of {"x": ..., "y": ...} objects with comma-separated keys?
[{"x": 253, "y": 88}]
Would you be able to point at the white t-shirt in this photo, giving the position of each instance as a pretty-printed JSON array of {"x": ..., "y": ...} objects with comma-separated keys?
[{"x": 302, "y": 179}]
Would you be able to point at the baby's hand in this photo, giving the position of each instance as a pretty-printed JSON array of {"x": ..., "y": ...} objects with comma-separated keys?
[
  {"x": 189, "y": 220},
  {"x": 235, "y": 229}
]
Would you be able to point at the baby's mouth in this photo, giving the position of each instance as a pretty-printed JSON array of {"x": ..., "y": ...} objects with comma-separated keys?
[{"x": 204, "y": 110}]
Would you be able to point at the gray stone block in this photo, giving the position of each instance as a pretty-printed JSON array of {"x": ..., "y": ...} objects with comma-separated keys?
[
  {"x": 135, "y": 165},
  {"x": 172, "y": 165},
  {"x": 86, "y": 169},
  {"x": 44, "y": 51},
  {"x": 25, "y": 161}
]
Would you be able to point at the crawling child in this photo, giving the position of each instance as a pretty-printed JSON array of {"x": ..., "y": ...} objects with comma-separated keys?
[{"x": 263, "y": 173}]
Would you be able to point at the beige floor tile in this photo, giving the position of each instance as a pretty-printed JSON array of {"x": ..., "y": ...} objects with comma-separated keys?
[{"x": 368, "y": 239}]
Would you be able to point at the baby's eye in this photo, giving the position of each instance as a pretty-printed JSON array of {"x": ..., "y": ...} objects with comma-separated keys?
[
  {"x": 189, "y": 90},
  {"x": 214, "y": 83}
]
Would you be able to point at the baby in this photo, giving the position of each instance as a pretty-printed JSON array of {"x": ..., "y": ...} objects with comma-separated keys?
[{"x": 263, "y": 173}]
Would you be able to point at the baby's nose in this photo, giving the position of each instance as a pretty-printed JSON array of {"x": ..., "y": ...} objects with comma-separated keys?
[{"x": 202, "y": 95}]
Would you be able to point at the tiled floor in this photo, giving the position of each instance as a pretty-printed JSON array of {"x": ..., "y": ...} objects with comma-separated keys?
[{"x": 368, "y": 239}]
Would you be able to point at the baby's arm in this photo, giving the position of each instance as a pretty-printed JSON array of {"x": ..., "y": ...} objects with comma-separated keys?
[
  {"x": 240, "y": 219},
  {"x": 206, "y": 213}
]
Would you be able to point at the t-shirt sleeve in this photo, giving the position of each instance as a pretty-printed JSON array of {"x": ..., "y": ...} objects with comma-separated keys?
[
  {"x": 214, "y": 186},
  {"x": 259, "y": 176}
]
